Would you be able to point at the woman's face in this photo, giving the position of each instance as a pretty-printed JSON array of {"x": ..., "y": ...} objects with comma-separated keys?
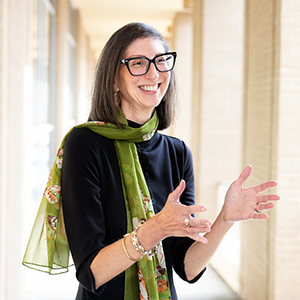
[{"x": 141, "y": 94}]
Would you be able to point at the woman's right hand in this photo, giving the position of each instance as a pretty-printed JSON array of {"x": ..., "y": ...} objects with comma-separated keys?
[
  {"x": 172, "y": 217},
  {"x": 171, "y": 221}
]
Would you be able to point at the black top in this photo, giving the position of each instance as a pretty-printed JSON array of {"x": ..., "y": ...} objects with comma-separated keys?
[{"x": 94, "y": 206}]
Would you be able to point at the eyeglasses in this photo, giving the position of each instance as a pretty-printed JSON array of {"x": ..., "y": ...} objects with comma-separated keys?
[{"x": 138, "y": 66}]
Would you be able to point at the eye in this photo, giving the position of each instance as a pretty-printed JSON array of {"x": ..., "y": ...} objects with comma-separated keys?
[
  {"x": 161, "y": 60},
  {"x": 137, "y": 63},
  {"x": 164, "y": 59}
]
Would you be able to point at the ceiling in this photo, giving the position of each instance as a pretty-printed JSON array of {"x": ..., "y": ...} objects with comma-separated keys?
[{"x": 101, "y": 18}]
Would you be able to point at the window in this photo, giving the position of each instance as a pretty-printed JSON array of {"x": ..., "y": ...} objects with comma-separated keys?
[{"x": 41, "y": 149}]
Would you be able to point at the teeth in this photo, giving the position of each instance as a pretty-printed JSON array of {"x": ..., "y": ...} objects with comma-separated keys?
[{"x": 149, "y": 88}]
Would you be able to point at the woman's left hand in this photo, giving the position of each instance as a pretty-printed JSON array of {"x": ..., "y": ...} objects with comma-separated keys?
[{"x": 246, "y": 203}]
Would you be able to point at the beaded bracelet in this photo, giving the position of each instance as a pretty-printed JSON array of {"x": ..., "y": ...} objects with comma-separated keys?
[
  {"x": 125, "y": 250},
  {"x": 137, "y": 245}
]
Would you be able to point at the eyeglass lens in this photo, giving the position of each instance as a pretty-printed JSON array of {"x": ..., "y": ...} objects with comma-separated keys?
[{"x": 139, "y": 66}]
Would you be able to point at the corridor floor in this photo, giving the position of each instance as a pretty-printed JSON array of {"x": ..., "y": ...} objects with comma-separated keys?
[{"x": 209, "y": 287}]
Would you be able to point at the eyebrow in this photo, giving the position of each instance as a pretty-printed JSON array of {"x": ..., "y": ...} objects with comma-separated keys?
[{"x": 141, "y": 55}]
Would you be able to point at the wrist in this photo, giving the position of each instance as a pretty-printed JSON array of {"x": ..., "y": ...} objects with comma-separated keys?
[
  {"x": 150, "y": 233},
  {"x": 223, "y": 217},
  {"x": 125, "y": 249},
  {"x": 128, "y": 248},
  {"x": 138, "y": 245}
]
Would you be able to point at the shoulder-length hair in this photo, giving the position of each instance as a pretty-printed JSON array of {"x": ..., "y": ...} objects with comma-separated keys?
[{"x": 103, "y": 106}]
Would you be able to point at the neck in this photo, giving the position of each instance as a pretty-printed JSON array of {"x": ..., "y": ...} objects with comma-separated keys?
[{"x": 138, "y": 116}]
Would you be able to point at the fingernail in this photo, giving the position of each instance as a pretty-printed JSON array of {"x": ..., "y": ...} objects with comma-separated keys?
[
  {"x": 207, "y": 229},
  {"x": 207, "y": 223},
  {"x": 203, "y": 208}
]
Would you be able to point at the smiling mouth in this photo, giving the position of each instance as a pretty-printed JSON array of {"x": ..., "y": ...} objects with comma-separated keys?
[{"x": 150, "y": 88}]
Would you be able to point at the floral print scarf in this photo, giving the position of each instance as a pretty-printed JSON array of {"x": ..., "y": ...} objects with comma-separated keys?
[{"x": 48, "y": 248}]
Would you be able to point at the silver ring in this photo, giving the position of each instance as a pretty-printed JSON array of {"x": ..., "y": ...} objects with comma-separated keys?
[
  {"x": 256, "y": 210},
  {"x": 187, "y": 223}
]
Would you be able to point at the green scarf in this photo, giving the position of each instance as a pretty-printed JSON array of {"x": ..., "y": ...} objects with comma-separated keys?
[{"x": 48, "y": 248}]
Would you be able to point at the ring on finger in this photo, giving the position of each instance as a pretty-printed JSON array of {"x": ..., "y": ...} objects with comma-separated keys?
[
  {"x": 256, "y": 210},
  {"x": 187, "y": 223}
]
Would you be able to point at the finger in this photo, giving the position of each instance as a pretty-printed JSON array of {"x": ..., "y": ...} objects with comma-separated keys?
[
  {"x": 203, "y": 239},
  {"x": 244, "y": 175},
  {"x": 264, "y": 186},
  {"x": 267, "y": 198},
  {"x": 174, "y": 196},
  {"x": 265, "y": 206},
  {"x": 196, "y": 230},
  {"x": 198, "y": 238},
  {"x": 260, "y": 216},
  {"x": 200, "y": 223},
  {"x": 192, "y": 209}
]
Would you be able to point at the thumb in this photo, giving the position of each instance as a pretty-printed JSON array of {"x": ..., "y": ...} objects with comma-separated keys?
[
  {"x": 174, "y": 196},
  {"x": 244, "y": 175}
]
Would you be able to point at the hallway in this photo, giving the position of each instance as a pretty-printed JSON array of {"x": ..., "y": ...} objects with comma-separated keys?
[
  {"x": 238, "y": 76},
  {"x": 209, "y": 287}
]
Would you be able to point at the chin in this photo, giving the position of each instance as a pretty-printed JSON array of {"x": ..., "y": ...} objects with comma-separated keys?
[{"x": 155, "y": 104}]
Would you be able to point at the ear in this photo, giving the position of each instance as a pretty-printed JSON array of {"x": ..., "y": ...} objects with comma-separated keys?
[{"x": 115, "y": 85}]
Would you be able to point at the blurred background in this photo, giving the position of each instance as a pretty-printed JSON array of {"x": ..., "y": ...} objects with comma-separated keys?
[{"x": 238, "y": 72}]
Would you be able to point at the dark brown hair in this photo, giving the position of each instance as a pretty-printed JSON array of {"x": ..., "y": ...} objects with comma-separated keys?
[{"x": 103, "y": 105}]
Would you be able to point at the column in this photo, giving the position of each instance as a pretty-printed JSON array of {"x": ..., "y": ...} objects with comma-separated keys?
[
  {"x": 271, "y": 262},
  {"x": 217, "y": 114},
  {"x": 62, "y": 18},
  {"x": 15, "y": 16},
  {"x": 286, "y": 237},
  {"x": 183, "y": 40}
]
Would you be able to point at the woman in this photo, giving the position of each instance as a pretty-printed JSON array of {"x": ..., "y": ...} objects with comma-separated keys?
[{"x": 126, "y": 188}]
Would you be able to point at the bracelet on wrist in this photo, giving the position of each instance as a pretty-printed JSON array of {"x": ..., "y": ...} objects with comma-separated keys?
[
  {"x": 137, "y": 245},
  {"x": 125, "y": 250}
]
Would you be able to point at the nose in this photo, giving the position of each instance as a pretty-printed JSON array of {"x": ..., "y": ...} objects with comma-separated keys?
[{"x": 152, "y": 72}]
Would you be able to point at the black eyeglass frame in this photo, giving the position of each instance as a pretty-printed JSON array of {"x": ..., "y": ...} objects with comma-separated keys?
[{"x": 125, "y": 61}]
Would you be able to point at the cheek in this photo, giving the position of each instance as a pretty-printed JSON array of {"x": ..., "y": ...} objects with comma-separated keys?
[
  {"x": 129, "y": 88},
  {"x": 129, "y": 81},
  {"x": 167, "y": 79},
  {"x": 124, "y": 80}
]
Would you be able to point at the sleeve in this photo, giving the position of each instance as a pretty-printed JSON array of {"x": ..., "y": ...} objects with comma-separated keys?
[
  {"x": 81, "y": 199},
  {"x": 179, "y": 245}
]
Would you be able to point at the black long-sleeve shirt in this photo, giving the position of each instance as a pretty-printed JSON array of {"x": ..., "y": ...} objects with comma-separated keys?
[{"x": 94, "y": 207}]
